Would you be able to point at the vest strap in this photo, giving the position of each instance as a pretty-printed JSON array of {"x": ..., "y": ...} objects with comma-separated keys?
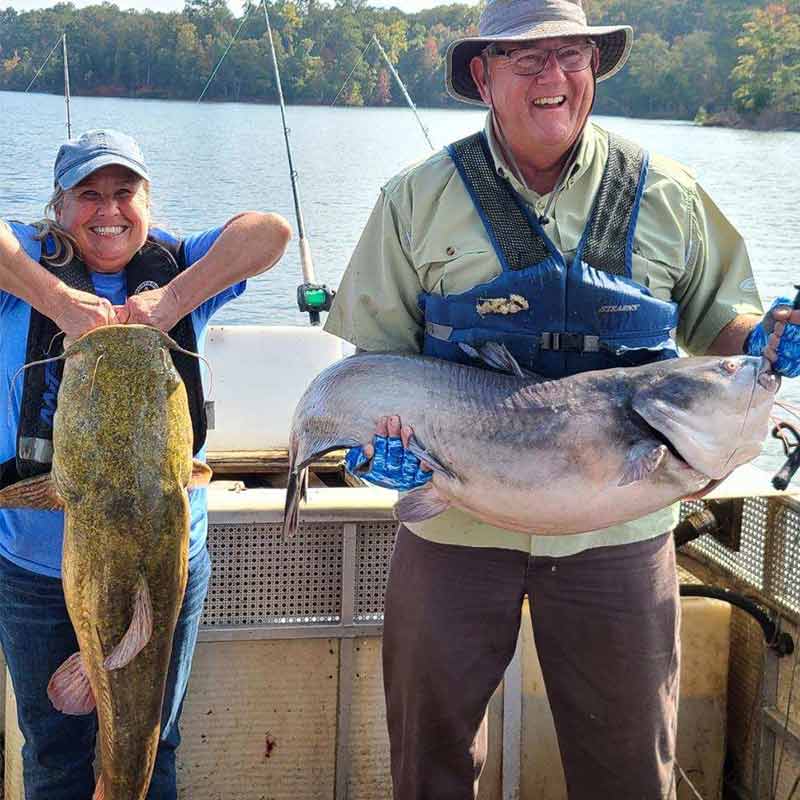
[{"x": 516, "y": 242}]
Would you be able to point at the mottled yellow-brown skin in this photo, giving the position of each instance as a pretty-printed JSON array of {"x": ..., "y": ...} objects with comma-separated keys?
[{"x": 122, "y": 461}]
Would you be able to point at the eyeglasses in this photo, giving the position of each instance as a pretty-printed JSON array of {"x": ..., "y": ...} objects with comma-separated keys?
[{"x": 531, "y": 60}]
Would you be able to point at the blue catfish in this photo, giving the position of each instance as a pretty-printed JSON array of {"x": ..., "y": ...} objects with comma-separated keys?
[
  {"x": 542, "y": 457},
  {"x": 122, "y": 462}
]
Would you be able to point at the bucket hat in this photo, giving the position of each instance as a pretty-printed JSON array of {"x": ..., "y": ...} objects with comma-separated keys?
[
  {"x": 79, "y": 158},
  {"x": 529, "y": 20}
]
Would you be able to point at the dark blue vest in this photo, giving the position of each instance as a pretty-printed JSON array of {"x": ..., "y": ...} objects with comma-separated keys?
[{"x": 555, "y": 318}]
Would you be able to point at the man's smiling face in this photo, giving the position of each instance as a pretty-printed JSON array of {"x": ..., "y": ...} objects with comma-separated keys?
[
  {"x": 108, "y": 214},
  {"x": 545, "y": 111}
]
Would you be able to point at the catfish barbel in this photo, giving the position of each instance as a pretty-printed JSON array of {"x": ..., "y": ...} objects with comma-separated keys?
[
  {"x": 542, "y": 457},
  {"x": 122, "y": 461}
]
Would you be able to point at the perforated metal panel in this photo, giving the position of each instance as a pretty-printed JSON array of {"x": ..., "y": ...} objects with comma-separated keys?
[
  {"x": 374, "y": 544},
  {"x": 783, "y": 558},
  {"x": 260, "y": 579},
  {"x": 747, "y": 564}
]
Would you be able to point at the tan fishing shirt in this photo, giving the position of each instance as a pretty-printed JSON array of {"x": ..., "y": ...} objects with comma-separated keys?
[{"x": 424, "y": 235}]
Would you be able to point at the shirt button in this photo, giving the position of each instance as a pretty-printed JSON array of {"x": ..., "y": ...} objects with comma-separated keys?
[{"x": 451, "y": 251}]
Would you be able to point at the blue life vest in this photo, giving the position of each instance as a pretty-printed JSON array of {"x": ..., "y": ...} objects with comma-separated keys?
[{"x": 555, "y": 318}]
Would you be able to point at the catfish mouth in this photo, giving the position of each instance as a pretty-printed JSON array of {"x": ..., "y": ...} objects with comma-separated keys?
[{"x": 654, "y": 433}]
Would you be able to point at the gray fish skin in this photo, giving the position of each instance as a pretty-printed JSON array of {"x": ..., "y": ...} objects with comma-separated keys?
[{"x": 543, "y": 457}]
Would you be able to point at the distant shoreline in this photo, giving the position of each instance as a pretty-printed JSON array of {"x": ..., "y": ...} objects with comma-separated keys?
[{"x": 767, "y": 121}]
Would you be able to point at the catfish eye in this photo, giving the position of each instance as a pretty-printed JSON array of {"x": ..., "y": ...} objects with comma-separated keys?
[{"x": 730, "y": 366}]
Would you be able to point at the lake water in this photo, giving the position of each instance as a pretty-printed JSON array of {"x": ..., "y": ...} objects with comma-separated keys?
[{"x": 210, "y": 161}]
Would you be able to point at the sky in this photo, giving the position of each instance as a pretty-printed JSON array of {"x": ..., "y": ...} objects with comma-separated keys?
[{"x": 408, "y": 6}]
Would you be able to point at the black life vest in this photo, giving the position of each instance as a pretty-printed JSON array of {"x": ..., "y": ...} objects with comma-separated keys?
[{"x": 155, "y": 265}]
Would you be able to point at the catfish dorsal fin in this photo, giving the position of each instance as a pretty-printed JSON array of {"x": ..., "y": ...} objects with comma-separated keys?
[
  {"x": 497, "y": 356},
  {"x": 139, "y": 631}
]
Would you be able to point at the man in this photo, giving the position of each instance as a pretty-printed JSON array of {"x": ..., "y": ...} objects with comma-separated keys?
[
  {"x": 578, "y": 251},
  {"x": 98, "y": 261}
]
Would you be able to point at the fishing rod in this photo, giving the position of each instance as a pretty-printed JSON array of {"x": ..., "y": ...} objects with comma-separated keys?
[
  {"x": 66, "y": 86},
  {"x": 403, "y": 90},
  {"x": 62, "y": 40},
  {"x": 312, "y": 297}
]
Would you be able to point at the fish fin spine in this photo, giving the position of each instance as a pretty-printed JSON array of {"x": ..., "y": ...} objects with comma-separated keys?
[
  {"x": 139, "y": 631},
  {"x": 69, "y": 689},
  {"x": 420, "y": 504}
]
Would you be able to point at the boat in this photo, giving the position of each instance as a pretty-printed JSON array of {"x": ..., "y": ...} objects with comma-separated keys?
[{"x": 286, "y": 698}]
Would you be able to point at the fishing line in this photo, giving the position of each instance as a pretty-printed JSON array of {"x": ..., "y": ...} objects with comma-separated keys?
[
  {"x": 58, "y": 42},
  {"x": 222, "y": 58},
  {"x": 358, "y": 61}
]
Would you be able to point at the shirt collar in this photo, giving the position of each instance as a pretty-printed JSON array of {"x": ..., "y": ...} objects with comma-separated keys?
[{"x": 584, "y": 156}]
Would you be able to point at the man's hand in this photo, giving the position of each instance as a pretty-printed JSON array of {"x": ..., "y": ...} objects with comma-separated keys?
[
  {"x": 777, "y": 338},
  {"x": 387, "y": 461},
  {"x": 157, "y": 307},
  {"x": 78, "y": 312}
]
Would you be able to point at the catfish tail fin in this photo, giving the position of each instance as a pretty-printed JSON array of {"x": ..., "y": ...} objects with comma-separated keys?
[{"x": 295, "y": 493}]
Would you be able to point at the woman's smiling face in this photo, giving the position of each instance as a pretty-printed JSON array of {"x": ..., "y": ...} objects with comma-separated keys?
[{"x": 108, "y": 213}]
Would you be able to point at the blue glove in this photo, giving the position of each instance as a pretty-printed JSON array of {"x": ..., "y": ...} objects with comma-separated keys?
[
  {"x": 788, "y": 361},
  {"x": 392, "y": 466}
]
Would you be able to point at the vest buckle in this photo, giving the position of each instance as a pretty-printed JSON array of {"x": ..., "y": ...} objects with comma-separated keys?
[{"x": 570, "y": 342}]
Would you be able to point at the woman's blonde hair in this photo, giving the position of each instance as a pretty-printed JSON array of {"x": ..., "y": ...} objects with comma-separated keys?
[{"x": 65, "y": 245}]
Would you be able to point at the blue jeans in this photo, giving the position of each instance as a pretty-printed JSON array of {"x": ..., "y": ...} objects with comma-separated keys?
[{"x": 37, "y": 637}]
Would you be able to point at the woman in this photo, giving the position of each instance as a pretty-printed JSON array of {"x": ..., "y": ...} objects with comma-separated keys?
[{"x": 96, "y": 261}]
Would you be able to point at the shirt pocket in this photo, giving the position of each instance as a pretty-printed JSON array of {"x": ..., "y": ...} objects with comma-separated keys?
[
  {"x": 455, "y": 266},
  {"x": 658, "y": 277}
]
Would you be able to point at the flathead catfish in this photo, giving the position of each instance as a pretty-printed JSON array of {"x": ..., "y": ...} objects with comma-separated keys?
[
  {"x": 542, "y": 457},
  {"x": 122, "y": 461}
]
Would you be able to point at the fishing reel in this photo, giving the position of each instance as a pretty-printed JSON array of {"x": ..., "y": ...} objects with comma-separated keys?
[{"x": 312, "y": 298}]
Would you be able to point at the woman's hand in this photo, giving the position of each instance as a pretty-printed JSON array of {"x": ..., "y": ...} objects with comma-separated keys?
[
  {"x": 157, "y": 307},
  {"x": 78, "y": 312}
]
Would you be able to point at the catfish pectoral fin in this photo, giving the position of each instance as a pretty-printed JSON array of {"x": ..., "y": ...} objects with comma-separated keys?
[
  {"x": 201, "y": 475},
  {"x": 420, "y": 504},
  {"x": 642, "y": 459},
  {"x": 69, "y": 689},
  {"x": 139, "y": 631},
  {"x": 99, "y": 790},
  {"x": 39, "y": 492}
]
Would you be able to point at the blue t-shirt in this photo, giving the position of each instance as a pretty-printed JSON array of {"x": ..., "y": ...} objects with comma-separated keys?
[{"x": 33, "y": 539}]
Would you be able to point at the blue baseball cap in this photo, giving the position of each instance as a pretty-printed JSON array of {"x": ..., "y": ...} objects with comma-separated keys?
[{"x": 79, "y": 158}]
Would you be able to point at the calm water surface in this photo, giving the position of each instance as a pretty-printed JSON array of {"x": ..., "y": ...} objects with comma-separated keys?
[{"x": 209, "y": 161}]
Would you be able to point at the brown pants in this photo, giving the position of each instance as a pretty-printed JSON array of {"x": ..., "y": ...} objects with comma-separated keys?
[{"x": 605, "y": 623}]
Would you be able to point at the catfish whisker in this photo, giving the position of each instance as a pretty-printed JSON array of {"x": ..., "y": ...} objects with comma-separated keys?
[{"x": 94, "y": 374}]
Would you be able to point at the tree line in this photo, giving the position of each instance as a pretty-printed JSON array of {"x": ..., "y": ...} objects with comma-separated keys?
[{"x": 710, "y": 58}]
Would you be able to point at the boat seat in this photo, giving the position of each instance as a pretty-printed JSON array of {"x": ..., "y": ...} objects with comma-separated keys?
[{"x": 258, "y": 374}]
